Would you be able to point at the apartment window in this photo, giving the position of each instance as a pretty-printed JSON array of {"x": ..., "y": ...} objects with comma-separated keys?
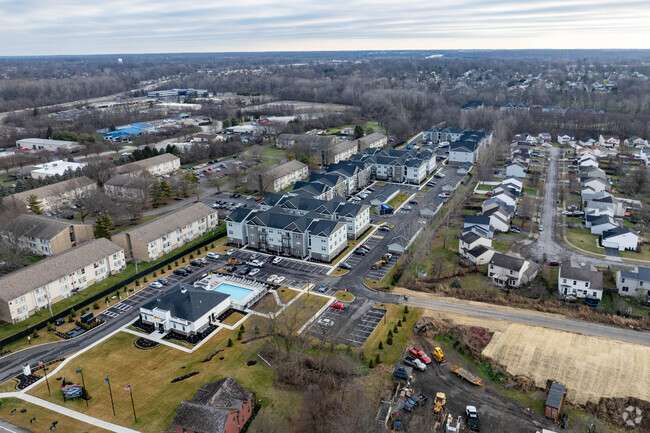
[
  {"x": 625, "y": 289},
  {"x": 564, "y": 280},
  {"x": 622, "y": 280},
  {"x": 587, "y": 284},
  {"x": 574, "y": 282}
]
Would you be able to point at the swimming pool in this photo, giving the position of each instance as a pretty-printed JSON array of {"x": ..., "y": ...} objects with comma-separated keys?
[{"x": 236, "y": 293}]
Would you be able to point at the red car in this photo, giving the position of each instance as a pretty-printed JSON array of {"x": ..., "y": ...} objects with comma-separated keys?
[
  {"x": 489, "y": 194},
  {"x": 338, "y": 305},
  {"x": 365, "y": 247},
  {"x": 258, "y": 198},
  {"x": 419, "y": 354}
]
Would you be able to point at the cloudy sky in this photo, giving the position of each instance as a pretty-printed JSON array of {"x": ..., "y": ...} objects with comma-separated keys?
[{"x": 42, "y": 27}]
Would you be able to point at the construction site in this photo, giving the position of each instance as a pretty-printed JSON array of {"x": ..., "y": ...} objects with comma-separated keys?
[{"x": 458, "y": 377}]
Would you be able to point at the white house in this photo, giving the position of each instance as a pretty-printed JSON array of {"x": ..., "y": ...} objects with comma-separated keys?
[
  {"x": 609, "y": 141},
  {"x": 622, "y": 238},
  {"x": 566, "y": 139},
  {"x": 516, "y": 169},
  {"x": 513, "y": 181},
  {"x": 506, "y": 270},
  {"x": 596, "y": 183},
  {"x": 588, "y": 162},
  {"x": 472, "y": 240},
  {"x": 499, "y": 218},
  {"x": 185, "y": 310},
  {"x": 634, "y": 283},
  {"x": 575, "y": 281},
  {"x": 506, "y": 197},
  {"x": 479, "y": 255},
  {"x": 602, "y": 223}
]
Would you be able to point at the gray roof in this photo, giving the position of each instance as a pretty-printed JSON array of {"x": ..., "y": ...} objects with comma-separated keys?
[
  {"x": 54, "y": 189},
  {"x": 589, "y": 273},
  {"x": 478, "y": 251},
  {"x": 324, "y": 227},
  {"x": 477, "y": 220},
  {"x": 160, "y": 226},
  {"x": 145, "y": 164},
  {"x": 642, "y": 273},
  {"x": 617, "y": 232},
  {"x": 371, "y": 138},
  {"x": 208, "y": 411},
  {"x": 239, "y": 214},
  {"x": 284, "y": 169},
  {"x": 470, "y": 237},
  {"x": 32, "y": 277},
  {"x": 40, "y": 227},
  {"x": 126, "y": 181},
  {"x": 507, "y": 262},
  {"x": 187, "y": 302},
  {"x": 555, "y": 395}
]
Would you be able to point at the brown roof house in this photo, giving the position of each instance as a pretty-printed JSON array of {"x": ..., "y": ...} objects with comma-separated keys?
[{"x": 220, "y": 407}]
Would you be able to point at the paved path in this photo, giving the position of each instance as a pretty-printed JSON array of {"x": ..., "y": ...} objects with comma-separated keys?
[
  {"x": 487, "y": 311},
  {"x": 6, "y": 427},
  {"x": 68, "y": 412}
]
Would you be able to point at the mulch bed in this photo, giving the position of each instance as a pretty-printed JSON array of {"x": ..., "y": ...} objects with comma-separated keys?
[
  {"x": 187, "y": 376},
  {"x": 228, "y": 313},
  {"x": 209, "y": 358},
  {"x": 144, "y": 344},
  {"x": 143, "y": 327},
  {"x": 25, "y": 381},
  {"x": 194, "y": 339},
  {"x": 255, "y": 338}
]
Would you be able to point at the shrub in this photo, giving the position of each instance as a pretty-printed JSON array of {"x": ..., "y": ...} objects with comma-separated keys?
[
  {"x": 230, "y": 344},
  {"x": 95, "y": 306},
  {"x": 212, "y": 245},
  {"x": 73, "y": 312},
  {"x": 456, "y": 284},
  {"x": 169, "y": 266},
  {"x": 145, "y": 279},
  {"x": 389, "y": 340},
  {"x": 239, "y": 335},
  {"x": 378, "y": 359},
  {"x": 242, "y": 328},
  {"x": 390, "y": 333},
  {"x": 406, "y": 309},
  {"x": 154, "y": 275},
  {"x": 35, "y": 334},
  {"x": 191, "y": 256},
  {"x": 70, "y": 318},
  {"x": 50, "y": 326},
  {"x": 371, "y": 364},
  {"x": 183, "y": 260},
  {"x": 137, "y": 283},
  {"x": 404, "y": 318},
  {"x": 395, "y": 330},
  {"x": 399, "y": 323},
  {"x": 381, "y": 346},
  {"x": 176, "y": 263},
  {"x": 205, "y": 250},
  {"x": 106, "y": 299}
]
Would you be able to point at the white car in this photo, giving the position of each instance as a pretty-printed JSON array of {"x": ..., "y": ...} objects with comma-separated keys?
[
  {"x": 254, "y": 256},
  {"x": 279, "y": 279},
  {"x": 155, "y": 285},
  {"x": 326, "y": 322},
  {"x": 256, "y": 263},
  {"x": 443, "y": 195},
  {"x": 212, "y": 256},
  {"x": 271, "y": 278},
  {"x": 277, "y": 260},
  {"x": 231, "y": 251},
  {"x": 253, "y": 272}
]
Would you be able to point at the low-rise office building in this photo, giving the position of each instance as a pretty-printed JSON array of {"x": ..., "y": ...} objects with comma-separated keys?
[
  {"x": 150, "y": 241},
  {"x": 47, "y": 144},
  {"x": 55, "y": 167},
  {"x": 48, "y": 236},
  {"x": 31, "y": 289}
]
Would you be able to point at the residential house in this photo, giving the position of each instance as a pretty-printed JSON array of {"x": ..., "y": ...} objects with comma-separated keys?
[
  {"x": 511, "y": 271},
  {"x": 597, "y": 184},
  {"x": 220, "y": 407},
  {"x": 48, "y": 236},
  {"x": 156, "y": 165},
  {"x": 601, "y": 223},
  {"x": 608, "y": 205},
  {"x": 464, "y": 168},
  {"x": 499, "y": 218},
  {"x": 622, "y": 238},
  {"x": 635, "y": 141},
  {"x": 54, "y": 197},
  {"x": 566, "y": 139},
  {"x": 514, "y": 182},
  {"x": 588, "y": 172},
  {"x": 185, "y": 310},
  {"x": 544, "y": 137},
  {"x": 587, "y": 141},
  {"x": 475, "y": 248},
  {"x": 284, "y": 175},
  {"x": 31, "y": 289},
  {"x": 483, "y": 222},
  {"x": 576, "y": 281},
  {"x": 633, "y": 283},
  {"x": 609, "y": 141},
  {"x": 472, "y": 106},
  {"x": 493, "y": 202},
  {"x": 516, "y": 169},
  {"x": 130, "y": 188},
  {"x": 151, "y": 240},
  {"x": 588, "y": 194},
  {"x": 507, "y": 197},
  {"x": 588, "y": 160}
]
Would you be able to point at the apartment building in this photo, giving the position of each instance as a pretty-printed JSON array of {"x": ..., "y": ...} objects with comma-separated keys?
[
  {"x": 48, "y": 236},
  {"x": 466, "y": 144},
  {"x": 375, "y": 140},
  {"x": 400, "y": 166},
  {"x": 281, "y": 176},
  {"x": 150, "y": 241},
  {"x": 156, "y": 165},
  {"x": 52, "y": 197},
  {"x": 31, "y": 289},
  {"x": 134, "y": 188}
]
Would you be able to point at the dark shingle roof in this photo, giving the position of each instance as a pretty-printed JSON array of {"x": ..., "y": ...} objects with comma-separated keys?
[
  {"x": 617, "y": 231},
  {"x": 190, "y": 304},
  {"x": 226, "y": 393},
  {"x": 470, "y": 237},
  {"x": 555, "y": 395},
  {"x": 477, "y": 251},
  {"x": 507, "y": 262},
  {"x": 587, "y": 273}
]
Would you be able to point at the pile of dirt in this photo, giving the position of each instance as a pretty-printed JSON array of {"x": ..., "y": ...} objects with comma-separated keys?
[
  {"x": 472, "y": 338},
  {"x": 630, "y": 413}
]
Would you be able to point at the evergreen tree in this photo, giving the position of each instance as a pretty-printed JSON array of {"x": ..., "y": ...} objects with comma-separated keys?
[
  {"x": 48, "y": 133},
  {"x": 34, "y": 205},
  {"x": 456, "y": 284},
  {"x": 358, "y": 132},
  {"x": 102, "y": 227}
]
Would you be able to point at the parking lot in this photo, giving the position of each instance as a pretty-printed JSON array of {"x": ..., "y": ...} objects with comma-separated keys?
[
  {"x": 378, "y": 274},
  {"x": 133, "y": 300},
  {"x": 351, "y": 326},
  {"x": 286, "y": 263},
  {"x": 371, "y": 241}
]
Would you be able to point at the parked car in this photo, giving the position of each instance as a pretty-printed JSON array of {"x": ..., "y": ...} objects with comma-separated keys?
[
  {"x": 415, "y": 401},
  {"x": 231, "y": 251},
  {"x": 554, "y": 263},
  {"x": 473, "y": 421},
  {"x": 412, "y": 361},
  {"x": 245, "y": 270},
  {"x": 322, "y": 288},
  {"x": 420, "y": 354},
  {"x": 163, "y": 281},
  {"x": 196, "y": 263},
  {"x": 188, "y": 269},
  {"x": 276, "y": 260},
  {"x": 231, "y": 268},
  {"x": 365, "y": 247},
  {"x": 338, "y": 305},
  {"x": 360, "y": 252},
  {"x": 258, "y": 198},
  {"x": 271, "y": 278},
  {"x": 384, "y": 228},
  {"x": 182, "y": 272},
  {"x": 439, "y": 175},
  {"x": 541, "y": 228},
  {"x": 279, "y": 279},
  {"x": 413, "y": 202},
  {"x": 254, "y": 272},
  {"x": 254, "y": 256},
  {"x": 270, "y": 259},
  {"x": 515, "y": 229},
  {"x": 155, "y": 285},
  {"x": 345, "y": 266},
  {"x": 212, "y": 256},
  {"x": 325, "y": 322},
  {"x": 256, "y": 263}
]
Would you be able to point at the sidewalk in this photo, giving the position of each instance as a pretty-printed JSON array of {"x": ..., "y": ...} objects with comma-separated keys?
[{"x": 68, "y": 412}]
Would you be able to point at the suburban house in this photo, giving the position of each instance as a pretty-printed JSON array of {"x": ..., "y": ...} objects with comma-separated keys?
[
  {"x": 464, "y": 168},
  {"x": 515, "y": 182},
  {"x": 150, "y": 241},
  {"x": 156, "y": 165},
  {"x": 507, "y": 270},
  {"x": 575, "y": 281},
  {"x": 480, "y": 222},
  {"x": 499, "y": 218},
  {"x": 635, "y": 283},
  {"x": 284, "y": 175},
  {"x": 31, "y": 289},
  {"x": 609, "y": 141},
  {"x": 53, "y": 197},
  {"x": 608, "y": 205},
  {"x": 601, "y": 223},
  {"x": 476, "y": 248},
  {"x": 595, "y": 183},
  {"x": 507, "y": 197},
  {"x": 132, "y": 188},
  {"x": 48, "y": 144},
  {"x": 516, "y": 169},
  {"x": 566, "y": 139},
  {"x": 621, "y": 238},
  {"x": 220, "y": 407},
  {"x": 635, "y": 141},
  {"x": 544, "y": 137},
  {"x": 185, "y": 310},
  {"x": 48, "y": 236},
  {"x": 54, "y": 168},
  {"x": 587, "y": 172}
]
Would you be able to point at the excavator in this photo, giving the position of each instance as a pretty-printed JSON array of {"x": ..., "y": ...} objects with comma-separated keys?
[
  {"x": 233, "y": 261},
  {"x": 439, "y": 356}
]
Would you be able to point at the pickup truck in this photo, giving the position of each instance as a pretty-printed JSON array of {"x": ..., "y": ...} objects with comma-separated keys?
[
  {"x": 412, "y": 361},
  {"x": 415, "y": 401},
  {"x": 419, "y": 354},
  {"x": 473, "y": 423}
]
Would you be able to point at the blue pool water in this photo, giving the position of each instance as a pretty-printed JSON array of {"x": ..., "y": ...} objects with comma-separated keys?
[{"x": 237, "y": 293}]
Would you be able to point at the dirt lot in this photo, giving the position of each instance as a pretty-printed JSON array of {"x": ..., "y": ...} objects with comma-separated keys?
[
  {"x": 497, "y": 412},
  {"x": 590, "y": 367}
]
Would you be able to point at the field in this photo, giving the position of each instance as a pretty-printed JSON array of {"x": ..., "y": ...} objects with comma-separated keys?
[
  {"x": 582, "y": 238},
  {"x": 590, "y": 367}
]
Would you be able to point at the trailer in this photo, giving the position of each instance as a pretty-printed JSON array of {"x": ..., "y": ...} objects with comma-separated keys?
[{"x": 464, "y": 374}]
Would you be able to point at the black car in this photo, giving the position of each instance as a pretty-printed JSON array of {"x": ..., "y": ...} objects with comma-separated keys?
[
  {"x": 245, "y": 270},
  {"x": 163, "y": 281},
  {"x": 188, "y": 269},
  {"x": 182, "y": 272},
  {"x": 414, "y": 202},
  {"x": 360, "y": 252},
  {"x": 196, "y": 263},
  {"x": 231, "y": 268},
  {"x": 344, "y": 266}
]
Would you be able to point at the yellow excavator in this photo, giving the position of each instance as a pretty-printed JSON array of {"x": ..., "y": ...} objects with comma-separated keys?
[
  {"x": 439, "y": 356},
  {"x": 233, "y": 262},
  {"x": 439, "y": 403}
]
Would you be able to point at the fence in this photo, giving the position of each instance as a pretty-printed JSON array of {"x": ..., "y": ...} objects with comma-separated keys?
[{"x": 219, "y": 233}]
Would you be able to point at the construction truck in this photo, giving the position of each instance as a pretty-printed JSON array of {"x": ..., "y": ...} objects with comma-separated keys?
[
  {"x": 233, "y": 261},
  {"x": 450, "y": 427},
  {"x": 378, "y": 265},
  {"x": 439, "y": 402},
  {"x": 439, "y": 356}
]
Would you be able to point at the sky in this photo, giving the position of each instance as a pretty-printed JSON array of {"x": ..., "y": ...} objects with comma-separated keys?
[{"x": 54, "y": 27}]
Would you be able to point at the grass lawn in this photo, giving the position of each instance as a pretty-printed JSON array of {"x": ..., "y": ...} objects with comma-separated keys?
[
  {"x": 286, "y": 294},
  {"x": 502, "y": 245},
  {"x": 472, "y": 282},
  {"x": 274, "y": 151},
  {"x": 397, "y": 201},
  {"x": 530, "y": 190},
  {"x": 266, "y": 305},
  {"x": 582, "y": 238},
  {"x": 344, "y": 296},
  {"x": 485, "y": 187},
  {"x": 143, "y": 220},
  {"x": 149, "y": 373},
  {"x": 44, "y": 418},
  {"x": 233, "y": 318},
  {"x": 644, "y": 255},
  {"x": 305, "y": 307},
  {"x": 366, "y": 127},
  {"x": 268, "y": 162},
  {"x": 339, "y": 272},
  {"x": 391, "y": 353}
]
